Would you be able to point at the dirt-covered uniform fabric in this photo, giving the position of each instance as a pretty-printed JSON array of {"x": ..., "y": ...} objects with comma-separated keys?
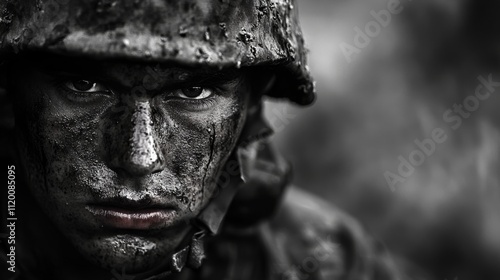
[{"x": 307, "y": 239}]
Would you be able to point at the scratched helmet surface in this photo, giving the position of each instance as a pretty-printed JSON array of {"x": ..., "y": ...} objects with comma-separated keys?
[{"x": 221, "y": 33}]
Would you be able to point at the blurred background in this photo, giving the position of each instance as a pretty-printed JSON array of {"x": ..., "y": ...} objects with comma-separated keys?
[{"x": 376, "y": 98}]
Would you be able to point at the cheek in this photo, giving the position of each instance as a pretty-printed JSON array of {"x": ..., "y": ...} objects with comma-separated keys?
[
  {"x": 53, "y": 147},
  {"x": 199, "y": 147}
]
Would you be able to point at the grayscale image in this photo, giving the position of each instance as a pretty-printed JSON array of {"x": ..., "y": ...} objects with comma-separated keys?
[{"x": 250, "y": 140}]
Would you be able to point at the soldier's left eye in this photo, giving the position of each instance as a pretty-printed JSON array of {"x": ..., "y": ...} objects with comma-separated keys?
[
  {"x": 85, "y": 86},
  {"x": 193, "y": 93}
]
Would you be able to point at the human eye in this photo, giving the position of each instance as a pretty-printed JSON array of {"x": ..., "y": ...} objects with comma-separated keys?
[
  {"x": 83, "y": 90},
  {"x": 197, "y": 98},
  {"x": 193, "y": 93},
  {"x": 203, "y": 92}
]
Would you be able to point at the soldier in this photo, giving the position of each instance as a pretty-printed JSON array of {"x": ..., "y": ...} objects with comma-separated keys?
[{"x": 142, "y": 152}]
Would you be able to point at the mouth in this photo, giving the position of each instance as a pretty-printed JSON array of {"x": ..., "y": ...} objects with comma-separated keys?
[{"x": 133, "y": 215}]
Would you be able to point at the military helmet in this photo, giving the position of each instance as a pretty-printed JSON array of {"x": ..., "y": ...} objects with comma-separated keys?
[{"x": 221, "y": 33}]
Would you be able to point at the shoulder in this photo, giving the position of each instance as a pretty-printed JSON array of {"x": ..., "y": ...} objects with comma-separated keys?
[
  {"x": 303, "y": 210},
  {"x": 312, "y": 238}
]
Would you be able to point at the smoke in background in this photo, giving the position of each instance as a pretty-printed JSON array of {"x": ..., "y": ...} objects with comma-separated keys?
[{"x": 405, "y": 133}]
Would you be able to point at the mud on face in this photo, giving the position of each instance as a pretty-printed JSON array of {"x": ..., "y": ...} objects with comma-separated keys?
[{"x": 121, "y": 169}]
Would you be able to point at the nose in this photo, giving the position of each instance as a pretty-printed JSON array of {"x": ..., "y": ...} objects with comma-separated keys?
[{"x": 138, "y": 153}]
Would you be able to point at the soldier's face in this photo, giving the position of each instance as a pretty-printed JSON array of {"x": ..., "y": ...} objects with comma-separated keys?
[{"x": 121, "y": 156}]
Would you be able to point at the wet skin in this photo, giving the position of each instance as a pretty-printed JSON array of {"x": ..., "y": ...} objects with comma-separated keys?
[{"x": 121, "y": 160}]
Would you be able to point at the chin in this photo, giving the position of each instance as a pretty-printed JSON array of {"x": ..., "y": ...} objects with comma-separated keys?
[{"x": 125, "y": 252}]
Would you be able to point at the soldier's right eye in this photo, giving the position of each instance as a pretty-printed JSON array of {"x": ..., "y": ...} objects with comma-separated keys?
[
  {"x": 84, "y": 91},
  {"x": 85, "y": 86}
]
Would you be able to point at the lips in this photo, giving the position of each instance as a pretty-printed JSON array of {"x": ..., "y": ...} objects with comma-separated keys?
[{"x": 133, "y": 215}]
